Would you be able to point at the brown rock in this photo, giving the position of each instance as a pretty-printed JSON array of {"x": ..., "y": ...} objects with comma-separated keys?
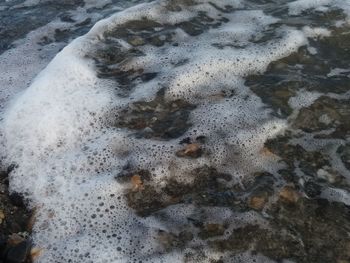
[
  {"x": 289, "y": 195},
  {"x": 32, "y": 219},
  {"x": 35, "y": 253},
  {"x": 14, "y": 239},
  {"x": 136, "y": 182},
  {"x": 267, "y": 152},
  {"x": 2, "y": 216},
  {"x": 257, "y": 202},
  {"x": 191, "y": 150}
]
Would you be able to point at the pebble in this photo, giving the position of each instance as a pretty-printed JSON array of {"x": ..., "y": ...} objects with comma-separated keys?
[
  {"x": 257, "y": 202},
  {"x": 289, "y": 195},
  {"x": 15, "y": 239},
  {"x": 35, "y": 253},
  {"x": 312, "y": 189},
  {"x": 136, "y": 41},
  {"x": 191, "y": 150},
  {"x": 136, "y": 182},
  {"x": 2, "y": 216}
]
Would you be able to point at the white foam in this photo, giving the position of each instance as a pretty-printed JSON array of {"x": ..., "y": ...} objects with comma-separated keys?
[
  {"x": 336, "y": 195},
  {"x": 303, "y": 99},
  {"x": 316, "y": 32},
  {"x": 338, "y": 72},
  {"x": 299, "y": 6}
]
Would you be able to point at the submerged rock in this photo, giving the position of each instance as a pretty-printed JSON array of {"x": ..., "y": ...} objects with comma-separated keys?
[
  {"x": 190, "y": 150},
  {"x": 211, "y": 230},
  {"x": 325, "y": 114},
  {"x": 344, "y": 152},
  {"x": 205, "y": 189},
  {"x": 309, "y": 231},
  {"x": 14, "y": 244},
  {"x": 18, "y": 253},
  {"x": 159, "y": 119},
  {"x": 257, "y": 202},
  {"x": 289, "y": 195}
]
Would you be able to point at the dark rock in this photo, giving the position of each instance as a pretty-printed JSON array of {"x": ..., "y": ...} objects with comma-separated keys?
[
  {"x": 324, "y": 114},
  {"x": 158, "y": 119},
  {"x": 211, "y": 230},
  {"x": 312, "y": 189},
  {"x": 344, "y": 152},
  {"x": 3, "y": 244},
  {"x": 18, "y": 253},
  {"x": 186, "y": 140},
  {"x": 201, "y": 139},
  {"x": 17, "y": 199}
]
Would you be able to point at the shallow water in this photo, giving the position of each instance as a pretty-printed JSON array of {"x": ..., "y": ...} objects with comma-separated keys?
[{"x": 180, "y": 131}]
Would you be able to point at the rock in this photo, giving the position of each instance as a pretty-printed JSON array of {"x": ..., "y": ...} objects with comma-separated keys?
[
  {"x": 35, "y": 253},
  {"x": 32, "y": 219},
  {"x": 324, "y": 114},
  {"x": 169, "y": 240},
  {"x": 257, "y": 202},
  {"x": 185, "y": 236},
  {"x": 166, "y": 239},
  {"x": 289, "y": 195},
  {"x": 212, "y": 230},
  {"x": 157, "y": 118},
  {"x": 328, "y": 175},
  {"x": 18, "y": 253},
  {"x": 186, "y": 140},
  {"x": 14, "y": 239},
  {"x": 191, "y": 150},
  {"x": 17, "y": 199},
  {"x": 156, "y": 41},
  {"x": 2, "y": 216},
  {"x": 136, "y": 182},
  {"x": 3, "y": 243},
  {"x": 312, "y": 189},
  {"x": 344, "y": 152},
  {"x": 267, "y": 152},
  {"x": 136, "y": 41},
  {"x": 3, "y": 175}
]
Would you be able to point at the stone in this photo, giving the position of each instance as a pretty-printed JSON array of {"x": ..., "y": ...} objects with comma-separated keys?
[
  {"x": 257, "y": 202},
  {"x": 312, "y": 189},
  {"x": 2, "y": 216},
  {"x": 35, "y": 253},
  {"x": 136, "y": 182},
  {"x": 212, "y": 230},
  {"x": 17, "y": 199},
  {"x": 328, "y": 175},
  {"x": 136, "y": 41},
  {"x": 191, "y": 150},
  {"x": 14, "y": 239},
  {"x": 289, "y": 195},
  {"x": 18, "y": 253}
]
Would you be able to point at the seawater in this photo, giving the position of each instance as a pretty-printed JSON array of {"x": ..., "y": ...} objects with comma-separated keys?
[{"x": 173, "y": 130}]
